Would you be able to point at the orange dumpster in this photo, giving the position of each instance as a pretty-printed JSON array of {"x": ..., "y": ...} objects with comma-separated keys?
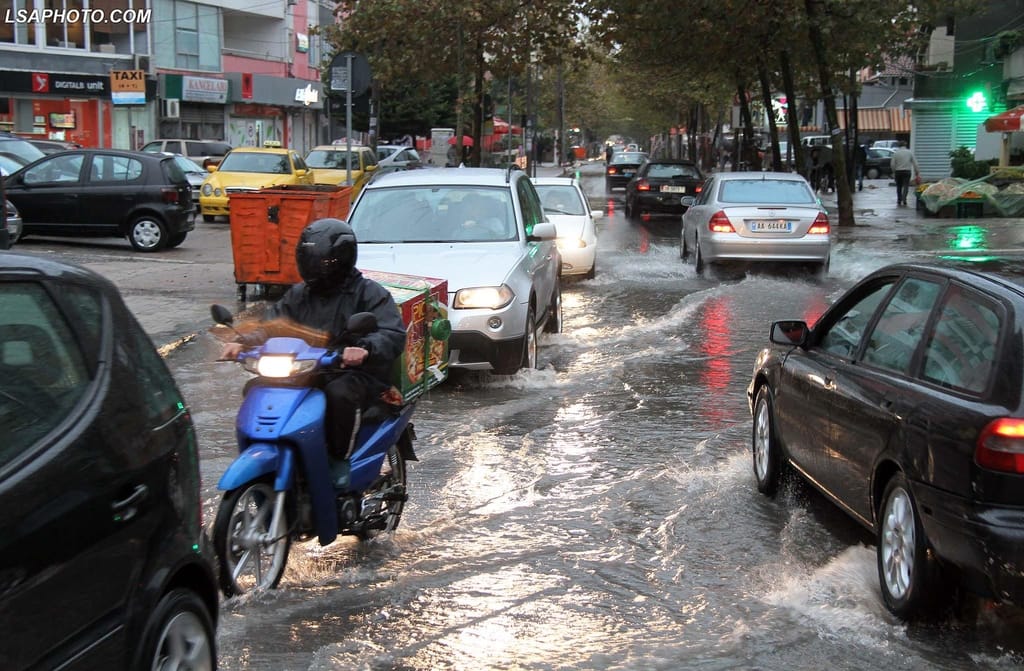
[{"x": 265, "y": 227}]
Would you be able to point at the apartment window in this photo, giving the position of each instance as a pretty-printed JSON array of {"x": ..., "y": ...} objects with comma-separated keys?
[
  {"x": 107, "y": 26},
  {"x": 17, "y": 32},
  {"x": 196, "y": 49}
]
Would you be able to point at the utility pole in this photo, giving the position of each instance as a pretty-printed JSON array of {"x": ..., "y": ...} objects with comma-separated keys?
[{"x": 561, "y": 148}]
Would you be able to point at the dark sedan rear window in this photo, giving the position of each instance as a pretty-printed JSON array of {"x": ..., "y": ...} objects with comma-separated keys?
[
  {"x": 782, "y": 191},
  {"x": 628, "y": 157},
  {"x": 670, "y": 170}
]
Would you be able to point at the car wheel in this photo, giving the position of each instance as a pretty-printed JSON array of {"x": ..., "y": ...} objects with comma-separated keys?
[
  {"x": 765, "y": 446},
  {"x": 683, "y": 251},
  {"x": 592, "y": 273},
  {"x": 525, "y": 355},
  {"x": 176, "y": 240},
  {"x": 872, "y": 173},
  {"x": 698, "y": 259},
  {"x": 147, "y": 234},
  {"x": 820, "y": 270},
  {"x": 179, "y": 634},
  {"x": 908, "y": 576},
  {"x": 245, "y": 561},
  {"x": 209, "y": 218},
  {"x": 554, "y": 321}
]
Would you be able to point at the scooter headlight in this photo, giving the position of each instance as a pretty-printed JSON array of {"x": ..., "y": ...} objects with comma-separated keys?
[{"x": 277, "y": 365}]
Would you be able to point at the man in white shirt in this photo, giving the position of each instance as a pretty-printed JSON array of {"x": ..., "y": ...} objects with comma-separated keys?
[{"x": 904, "y": 165}]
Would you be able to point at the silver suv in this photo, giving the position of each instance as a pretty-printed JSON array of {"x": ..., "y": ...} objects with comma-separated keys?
[{"x": 484, "y": 231}]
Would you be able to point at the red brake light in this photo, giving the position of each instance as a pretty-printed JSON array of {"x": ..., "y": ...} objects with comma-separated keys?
[
  {"x": 643, "y": 186},
  {"x": 720, "y": 223},
  {"x": 820, "y": 224},
  {"x": 1001, "y": 445},
  {"x": 170, "y": 194},
  {"x": 612, "y": 171},
  {"x": 700, "y": 187}
]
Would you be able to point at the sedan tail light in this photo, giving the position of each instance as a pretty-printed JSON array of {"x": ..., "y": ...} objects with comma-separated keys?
[
  {"x": 820, "y": 224},
  {"x": 1001, "y": 445},
  {"x": 170, "y": 194},
  {"x": 612, "y": 171},
  {"x": 720, "y": 223},
  {"x": 643, "y": 185}
]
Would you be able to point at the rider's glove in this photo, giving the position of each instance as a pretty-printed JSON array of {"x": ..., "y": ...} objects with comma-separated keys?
[{"x": 252, "y": 339}]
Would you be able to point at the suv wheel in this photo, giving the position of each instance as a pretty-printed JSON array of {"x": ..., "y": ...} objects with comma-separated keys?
[{"x": 524, "y": 356}]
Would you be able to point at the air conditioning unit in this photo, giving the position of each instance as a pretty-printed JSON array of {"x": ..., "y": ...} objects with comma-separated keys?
[
  {"x": 171, "y": 108},
  {"x": 141, "y": 62}
]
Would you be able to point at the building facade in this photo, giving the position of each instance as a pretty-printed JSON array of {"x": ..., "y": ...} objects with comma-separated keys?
[{"x": 223, "y": 69}]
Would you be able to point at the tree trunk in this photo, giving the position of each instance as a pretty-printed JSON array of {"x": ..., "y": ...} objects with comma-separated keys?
[
  {"x": 792, "y": 114},
  {"x": 747, "y": 123},
  {"x": 478, "y": 104},
  {"x": 773, "y": 130},
  {"x": 845, "y": 198}
]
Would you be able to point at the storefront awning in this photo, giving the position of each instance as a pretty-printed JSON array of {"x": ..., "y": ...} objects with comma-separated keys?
[
  {"x": 879, "y": 119},
  {"x": 1005, "y": 122}
]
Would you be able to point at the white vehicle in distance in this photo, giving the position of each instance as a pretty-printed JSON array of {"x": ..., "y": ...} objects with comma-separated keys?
[
  {"x": 397, "y": 154},
  {"x": 566, "y": 206},
  {"x": 482, "y": 230}
]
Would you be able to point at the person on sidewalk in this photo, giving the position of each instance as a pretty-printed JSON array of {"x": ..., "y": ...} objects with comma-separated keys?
[{"x": 904, "y": 165}]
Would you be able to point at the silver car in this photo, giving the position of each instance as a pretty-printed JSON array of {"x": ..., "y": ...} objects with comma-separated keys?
[
  {"x": 756, "y": 216},
  {"x": 484, "y": 231}
]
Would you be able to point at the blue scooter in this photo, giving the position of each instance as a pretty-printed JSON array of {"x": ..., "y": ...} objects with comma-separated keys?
[{"x": 282, "y": 486}]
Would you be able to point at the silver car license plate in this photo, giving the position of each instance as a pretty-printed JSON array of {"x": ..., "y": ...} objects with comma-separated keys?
[
  {"x": 673, "y": 189},
  {"x": 771, "y": 226}
]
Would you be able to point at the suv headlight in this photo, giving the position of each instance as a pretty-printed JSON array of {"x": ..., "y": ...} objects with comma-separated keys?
[{"x": 492, "y": 298}]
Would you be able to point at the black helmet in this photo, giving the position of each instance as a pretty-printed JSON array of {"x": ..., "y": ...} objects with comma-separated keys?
[{"x": 326, "y": 253}]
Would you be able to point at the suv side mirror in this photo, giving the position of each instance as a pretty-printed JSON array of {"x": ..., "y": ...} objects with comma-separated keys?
[{"x": 543, "y": 230}]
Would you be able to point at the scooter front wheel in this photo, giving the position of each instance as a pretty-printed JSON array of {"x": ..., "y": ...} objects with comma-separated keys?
[{"x": 250, "y": 555}]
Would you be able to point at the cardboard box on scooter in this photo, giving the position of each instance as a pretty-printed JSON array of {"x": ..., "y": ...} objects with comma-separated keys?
[{"x": 422, "y": 300}]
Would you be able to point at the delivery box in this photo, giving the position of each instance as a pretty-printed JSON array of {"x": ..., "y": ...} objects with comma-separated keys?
[{"x": 423, "y": 302}]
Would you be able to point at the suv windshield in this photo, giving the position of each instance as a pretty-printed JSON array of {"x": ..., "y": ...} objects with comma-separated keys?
[
  {"x": 20, "y": 149},
  {"x": 460, "y": 213}
]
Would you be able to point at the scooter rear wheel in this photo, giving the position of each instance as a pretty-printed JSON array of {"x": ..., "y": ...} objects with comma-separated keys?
[
  {"x": 245, "y": 558},
  {"x": 391, "y": 482}
]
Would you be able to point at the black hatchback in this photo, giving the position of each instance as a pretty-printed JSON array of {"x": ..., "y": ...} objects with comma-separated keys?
[
  {"x": 660, "y": 185},
  {"x": 904, "y": 404},
  {"x": 621, "y": 168},
  {"x": 103, "y": 560},
  {"x": 105, "y": 193}
]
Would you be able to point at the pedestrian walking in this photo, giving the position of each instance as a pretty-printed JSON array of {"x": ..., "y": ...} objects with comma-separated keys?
[
  {"x": 904, "y": 166},
  {"x": 860, "y": 157}
]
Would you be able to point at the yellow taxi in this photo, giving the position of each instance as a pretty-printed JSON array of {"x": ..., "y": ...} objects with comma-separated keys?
[
  {"x": 250, "y": 169},
  {"x": 329, "y": 163}
]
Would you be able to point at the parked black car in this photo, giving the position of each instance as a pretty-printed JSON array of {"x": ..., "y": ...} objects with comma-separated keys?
[
  {"x": 102, "y": 193},
  {"x": 659, "y": 186},
  {"x": 903, "y": 405},
  {"x": 621, "y": 168},
  {"x": 103, "y": 560},
  {"x": 878, "y": 162}
]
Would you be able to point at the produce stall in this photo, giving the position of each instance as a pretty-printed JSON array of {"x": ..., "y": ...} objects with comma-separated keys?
[{"x": 1000, "y": 193}]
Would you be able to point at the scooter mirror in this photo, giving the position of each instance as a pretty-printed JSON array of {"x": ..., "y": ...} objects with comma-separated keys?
[
  {"x": 221, "y": 315},
  {"x": 362, "y": 323}
]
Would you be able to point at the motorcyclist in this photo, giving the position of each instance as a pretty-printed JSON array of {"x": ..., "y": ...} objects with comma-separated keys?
[{"x": 332, "y": 290}]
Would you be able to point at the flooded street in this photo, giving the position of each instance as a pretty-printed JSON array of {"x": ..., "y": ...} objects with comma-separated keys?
[{"x": 600, "y": 513}]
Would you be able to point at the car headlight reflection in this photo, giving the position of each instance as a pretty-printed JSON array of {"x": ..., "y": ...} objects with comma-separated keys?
[
  {"x": 570, "y": 243},
  {"x": 492, "y": 298},
  {"x": 278, "y": 365}
]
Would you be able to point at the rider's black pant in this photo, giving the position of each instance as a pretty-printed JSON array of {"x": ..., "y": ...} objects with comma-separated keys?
[{"x": 347, "y": 396}]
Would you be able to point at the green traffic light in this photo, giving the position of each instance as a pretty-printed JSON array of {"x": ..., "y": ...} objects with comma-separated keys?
[{"x": 977, "y": 101}]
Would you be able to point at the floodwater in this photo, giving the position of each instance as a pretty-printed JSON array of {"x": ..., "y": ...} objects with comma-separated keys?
[{"x": 600, "y": 513}]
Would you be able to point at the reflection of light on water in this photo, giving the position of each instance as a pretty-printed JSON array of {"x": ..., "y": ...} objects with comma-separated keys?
[{"x": 716, "y": 344}]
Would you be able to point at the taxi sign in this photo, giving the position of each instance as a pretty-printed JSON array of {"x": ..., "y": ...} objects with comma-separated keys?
[{"x": 272, "y": 144}]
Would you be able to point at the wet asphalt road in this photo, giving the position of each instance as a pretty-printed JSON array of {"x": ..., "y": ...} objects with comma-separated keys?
[{"x": 599, "y": 513}]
